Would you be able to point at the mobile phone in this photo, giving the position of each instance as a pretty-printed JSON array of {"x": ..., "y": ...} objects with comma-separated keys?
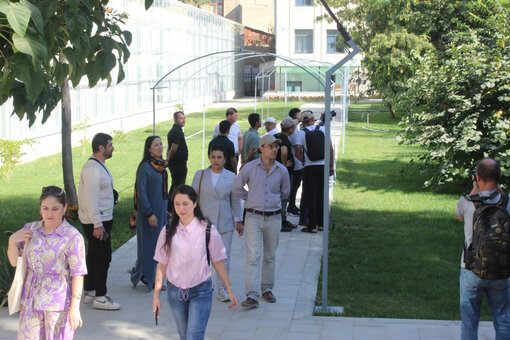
[
  {"x": 105, "y": 235},
  {"x": 156, "y": 316}
]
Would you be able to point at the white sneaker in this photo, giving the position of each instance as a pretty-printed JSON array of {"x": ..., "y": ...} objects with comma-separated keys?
[
  {"x": 222, "y": 295},
  {"x": 89, "y": 296},
  {"x": 105, "y": 303}
]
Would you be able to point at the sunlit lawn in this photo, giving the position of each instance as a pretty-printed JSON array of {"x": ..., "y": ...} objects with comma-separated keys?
[{"x": 396, "y": 247}]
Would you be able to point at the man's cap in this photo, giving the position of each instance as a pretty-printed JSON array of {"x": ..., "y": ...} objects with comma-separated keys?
[
  {"x": 270, "y": 120},
  {"x": 306, "y": 115},
  {"x": 288, "y": 122},
  {"x": 268, "y": 139}
]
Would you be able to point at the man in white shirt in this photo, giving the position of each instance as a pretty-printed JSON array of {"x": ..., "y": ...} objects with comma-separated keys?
[
  {"x": 313, "y": 173},
  {"x": 235, "y": 130},
  {"x": 270, "y": 125},
  {"x": 96, "y": 201}
]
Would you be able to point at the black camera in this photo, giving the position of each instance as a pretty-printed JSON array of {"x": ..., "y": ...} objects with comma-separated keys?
[
  {"x": 323, "y": 115},
  {"x": 472, "y": 174}
]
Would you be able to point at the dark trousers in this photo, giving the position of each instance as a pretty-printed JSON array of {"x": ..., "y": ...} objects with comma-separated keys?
[
  {"x": 178, "y": 171},
  {"x": 99, "y": 256},
  {"x": 313, "y": 183},
  {"x": 294, "y": 186}
]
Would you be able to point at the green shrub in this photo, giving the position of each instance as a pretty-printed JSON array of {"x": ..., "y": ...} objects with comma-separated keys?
[{"x": 10, "y": 155}]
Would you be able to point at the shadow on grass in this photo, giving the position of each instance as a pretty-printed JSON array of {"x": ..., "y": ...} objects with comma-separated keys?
[
  {"x": 395, "y": 264},
  {"x": 381, "y": 175}
]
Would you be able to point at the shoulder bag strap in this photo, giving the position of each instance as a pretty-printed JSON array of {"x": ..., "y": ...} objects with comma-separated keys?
[
  {"x": 200, "y": 185},
  {"x": 207, "y": 239}
]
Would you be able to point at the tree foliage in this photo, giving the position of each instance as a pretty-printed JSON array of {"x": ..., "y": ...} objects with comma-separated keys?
[
  {"x": 462, "y": 97},
  {"x": 43, "y": 42},
  {"x": 446, "y": 63}
]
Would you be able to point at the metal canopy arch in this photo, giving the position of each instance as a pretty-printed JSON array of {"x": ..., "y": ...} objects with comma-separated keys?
[
  {"x": 245, "y": 54},
  {"x": 303, "y": 62}
]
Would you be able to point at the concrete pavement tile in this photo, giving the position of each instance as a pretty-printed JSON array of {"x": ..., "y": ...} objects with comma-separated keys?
[
  {"x": 270, "y": 333},
  {"x": 302, "y": 336},
  {"x": 275, "y": 315},
  {"x": 369, "y": 332},
  {"x": 305, "y": 326},
  {"x": 247, "y": 326},
  {"x": 436, "y": 332},
  {"x": 236, "y": 335},
  {"x": 330, "y": 330}
]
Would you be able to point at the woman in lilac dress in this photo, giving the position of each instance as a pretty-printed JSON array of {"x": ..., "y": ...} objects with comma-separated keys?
[{"x": 55, "y": 268}]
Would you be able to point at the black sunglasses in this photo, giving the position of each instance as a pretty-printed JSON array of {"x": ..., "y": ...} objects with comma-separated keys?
[{"x": 56, "y": 191}]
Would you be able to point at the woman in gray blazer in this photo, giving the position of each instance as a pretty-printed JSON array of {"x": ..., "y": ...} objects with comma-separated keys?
[{"x": 214, "y": 188}]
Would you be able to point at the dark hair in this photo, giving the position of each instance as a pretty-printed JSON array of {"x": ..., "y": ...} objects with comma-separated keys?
[
  {"x": 489, "y": 170},
  {"x": 230, "y": 111},
  {"x": 146, "y": 153},
  {"x": 176, "y": 114},
  {"x": 218, "y": 147},
  {"x": 171, "y": 227},
  {"x": 100, "y": 139},
  {"x": 53, "y": 191},
  {"x": 224, "y": 126},
  {"x": 253, "y": 119},
  {"x": 293, "y": 112}
]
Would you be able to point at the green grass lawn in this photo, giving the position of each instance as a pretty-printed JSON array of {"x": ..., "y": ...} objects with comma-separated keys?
[
  {"x": 396, "y": 247},
  {"x": 19, "y": 199}
]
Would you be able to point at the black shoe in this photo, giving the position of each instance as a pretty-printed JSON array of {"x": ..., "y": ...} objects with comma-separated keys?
[
  {"x": 293, "y": 211},
  {"x": 250, "y": 303},
  {"x": 285, "y": 228},
  {"x": 290, "y": 225}
]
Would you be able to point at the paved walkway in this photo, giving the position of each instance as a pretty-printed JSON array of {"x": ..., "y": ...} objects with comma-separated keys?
[{"x": 290, "y": 318}]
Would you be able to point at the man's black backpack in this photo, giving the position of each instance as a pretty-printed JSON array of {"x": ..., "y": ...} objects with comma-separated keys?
[
  {"x": 488, "y": 255},
  {"x": 314, "y": 143}
]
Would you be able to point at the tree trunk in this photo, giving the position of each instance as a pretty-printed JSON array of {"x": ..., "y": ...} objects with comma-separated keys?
[
  {"x": 67, "y": 152},
  {"x": 392, "y": 115}
]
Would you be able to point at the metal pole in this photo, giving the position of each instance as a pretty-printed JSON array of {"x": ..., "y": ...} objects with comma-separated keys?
[
  {"x": 153, "y": 111},
  {"x": 203, "y": 126},
  {"x": 327, "y": 125},
  {"x": 285, "y": 85},
  {"x": 268, "y": 92}
]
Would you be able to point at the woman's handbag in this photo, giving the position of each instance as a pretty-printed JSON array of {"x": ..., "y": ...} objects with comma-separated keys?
[{"x": 14, "y": 295}]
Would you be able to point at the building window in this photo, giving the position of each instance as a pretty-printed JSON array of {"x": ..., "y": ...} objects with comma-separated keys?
[
  {"x": 304, "y": 41},
  {"x": 293, "y": 86},
  {"x": 304, "y": 2},
  {"x": 332, "y": 46},
  {"x": 216, "y": 7}
]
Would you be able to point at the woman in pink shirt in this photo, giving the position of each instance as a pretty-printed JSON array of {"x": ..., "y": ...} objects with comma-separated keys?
[
  {"x": 55, "y": 268},
  {"x": 182, "y": 258}
]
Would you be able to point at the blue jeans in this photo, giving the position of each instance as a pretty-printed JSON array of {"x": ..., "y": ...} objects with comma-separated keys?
[
  {"x": 472, "y": 289},
  {"x": 191, "y": 309}
]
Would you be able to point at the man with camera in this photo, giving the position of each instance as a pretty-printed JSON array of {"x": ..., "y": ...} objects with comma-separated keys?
[{"x": 485, "y": 265}]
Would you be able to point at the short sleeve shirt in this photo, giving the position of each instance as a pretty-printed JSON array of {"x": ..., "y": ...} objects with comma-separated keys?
[
  {"x": 233, "y": 135},
  {"x": 295, "y": 139},
  {"x": 176, "y": 136},
  {"x": 250, "y": 141},
  {"x": 52, "y": 260},
  {"x": 285, "y": 142},
  {"x": 187, "y": 258},
  {"x": 228, "y": 145},
  {"x": 302, "y": 133}
]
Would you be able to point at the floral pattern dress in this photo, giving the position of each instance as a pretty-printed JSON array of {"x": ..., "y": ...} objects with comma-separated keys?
[{"x": 52, "y": 260}]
